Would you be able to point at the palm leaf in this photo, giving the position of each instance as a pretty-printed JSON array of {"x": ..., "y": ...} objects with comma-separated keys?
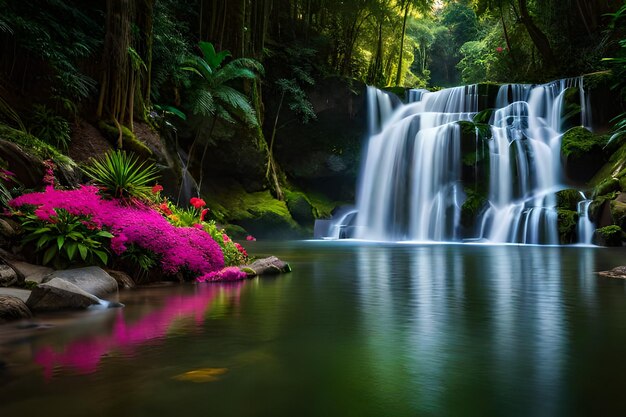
[
  {"x": 203, "y": 103},
  {"x": 213, "y": 58},
  {"x": 237, "y": 101},
  {"x": 198, "y": 66}
]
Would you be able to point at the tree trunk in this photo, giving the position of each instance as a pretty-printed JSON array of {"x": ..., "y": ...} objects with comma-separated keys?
[
  {"x": 406, "y": 15},
  {"x": 539, "y": 39}
]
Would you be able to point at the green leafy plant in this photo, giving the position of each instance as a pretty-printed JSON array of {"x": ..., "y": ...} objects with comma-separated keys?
[
  {"x": 122, "y": 175},
  {"x": 65, "y": 239},
  {"x": 50, "y": 127}
]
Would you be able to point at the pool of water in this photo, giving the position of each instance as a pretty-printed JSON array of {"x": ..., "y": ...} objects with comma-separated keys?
[{"x": 356, "y": 329}]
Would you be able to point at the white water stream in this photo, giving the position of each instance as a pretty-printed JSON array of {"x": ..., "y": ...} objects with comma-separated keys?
[{"x": 411, "y": 185}]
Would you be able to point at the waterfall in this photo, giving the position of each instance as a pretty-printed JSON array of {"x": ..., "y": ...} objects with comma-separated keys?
[
  {"x": 414, "y": 179},
  {"x": 585, "y": 225}
]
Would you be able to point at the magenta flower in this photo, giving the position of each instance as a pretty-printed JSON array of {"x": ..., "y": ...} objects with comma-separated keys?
[
  {"x": 250, "y": 238},
  {"x": 231, "y": 273},
  {"x": 177, "y": 247}
]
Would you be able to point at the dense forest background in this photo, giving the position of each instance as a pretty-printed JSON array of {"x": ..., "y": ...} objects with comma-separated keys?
[{"x": 241, "y": 95}]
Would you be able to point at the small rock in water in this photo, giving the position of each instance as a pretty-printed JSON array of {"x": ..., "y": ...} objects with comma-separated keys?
[{"x": 617, "y": 272}]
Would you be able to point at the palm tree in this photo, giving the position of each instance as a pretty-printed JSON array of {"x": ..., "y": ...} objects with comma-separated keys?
[{"x": 211, "y": 96}]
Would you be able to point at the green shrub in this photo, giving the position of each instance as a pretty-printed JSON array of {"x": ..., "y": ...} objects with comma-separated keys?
[
  {"x": 610, "y": 235},
  {"x": 66, "y": 239},
  {"x": 50, "y": 127},
  {"x": 122, "y": 175}
]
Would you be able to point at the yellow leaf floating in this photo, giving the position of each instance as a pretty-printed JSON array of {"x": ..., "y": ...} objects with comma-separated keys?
[{"x": 202, "y": 375}]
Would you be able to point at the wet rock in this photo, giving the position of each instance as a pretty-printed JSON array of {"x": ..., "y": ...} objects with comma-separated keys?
[
  {"x": 13, "y": 308},
  {"x": 58, "y": 294},
  {"x": 618, "y": 272},
  {"x": 29, "y": 272},
  {"x": 266, "y": 266},
  {"x": 92, "y": 279},
  {"x": 8, "y": 276},
  {"x": 582, "y": 153},
  {"x": 122, "y": 278},
  {"x": 16, "y": 292},
  {"x": 8, "y": 228}
]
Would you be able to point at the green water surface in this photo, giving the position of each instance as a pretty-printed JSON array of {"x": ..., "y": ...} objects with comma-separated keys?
[{"x": 356, "y": 329}]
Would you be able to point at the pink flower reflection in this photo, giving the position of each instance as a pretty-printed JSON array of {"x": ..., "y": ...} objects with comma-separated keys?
[{"x": 85, "y": 354}]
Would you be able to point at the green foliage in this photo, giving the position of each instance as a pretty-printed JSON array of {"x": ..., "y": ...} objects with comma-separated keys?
[
  {"x": 141, "y": 261},
  {"x": 209, "y": 92},
  {"x": 66, "y": 239},
  {"x": 232, "y": 255},
  {"x": 36, "y": 146},
  {"x": 7, "y": 183},
  {"x": 50, "y": 127},
  {"x": 59, "y": 33},
  {"x": 568, "y": 199},
  {"x": 122, "y": 175},
  {"x": 471, "y": 208}
]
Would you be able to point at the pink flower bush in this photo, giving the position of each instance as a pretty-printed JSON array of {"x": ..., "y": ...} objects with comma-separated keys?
[
  {"x": 177, "y": 247},
  {"x": 231, "y": 273}
]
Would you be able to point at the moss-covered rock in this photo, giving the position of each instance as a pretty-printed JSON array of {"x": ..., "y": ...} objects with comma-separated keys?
[
  {"x": 129, "y": 140},
  {"x": 300, "y": 208},
  {"x": 608, "y": 186},
  {"x": 582, "y": 153},
  {"x": 571, "y": 111},
  {"x": 567, "y": 224},
  {"x": 599, "y": 209},
  {"x": 568, "y": 199},
  {"x": 609, "y": 236},
  {"x": 258, "y": 213},
  {"x": 618, "y": 213}
]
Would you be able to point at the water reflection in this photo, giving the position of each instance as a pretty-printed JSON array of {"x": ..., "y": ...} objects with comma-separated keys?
[
  {"x": 488, "y": 321},
  {"x": 179, "y": 314}
]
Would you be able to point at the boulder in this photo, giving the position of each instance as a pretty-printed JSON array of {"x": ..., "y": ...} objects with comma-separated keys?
[
  {"x": 91, "y": 279},
  {"x": 122, "y": 278},
  {"x": 8, "y": 276},
  {"x": 582, "y": 153},
  {"x": 618, "y": 272},
  {"x": 13, "y": 308},
  {"x": 28, "y": 272},
  {"x": 58, "y": 294},
  {"x": 266, "y": 266},
  {"x": 16, "y": 292},
  {"x": 8, "y": 228}
]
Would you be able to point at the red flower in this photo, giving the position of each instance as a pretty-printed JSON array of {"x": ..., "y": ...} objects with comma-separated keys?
[
  {"x": 165, "y": 209},
  {"x": 197, "y": 202},
  {"x": 241, "y": 249},
  {"x": 225, "y": 238},
  {"x": 204, "y": 213},
  {"x": 250, "y": 238},
  {"x": 157, "y": 188},
  {"x": 499, "y": 49}
]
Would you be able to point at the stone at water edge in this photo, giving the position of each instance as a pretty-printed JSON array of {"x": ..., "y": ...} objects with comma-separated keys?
[
  {"x": 13, "y": 308},
  {"x": 617, "y": 272},
  {"x": 91, "y": 279},
  {"x": 266, "y": 266},
  {"x": 58, "y": 294},
  {"x": 8, "y": 276},
  {"x": 123, "y": 279}
]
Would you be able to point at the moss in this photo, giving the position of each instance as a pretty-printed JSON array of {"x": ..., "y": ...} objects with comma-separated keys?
[
  {"x": 30, "y": 285},
  {"x": 608, "y": 186},
  {"x": 567, "y": 224},
  {"x": 568, "y": 199},
  {"x": 609, "y": 236},
  {"x": 618, "y": 213},
  {"x": 235, "y": 231},
  {"x": 597, "y": 79},
  {"x": 36, "y": 146},
  {"x": 300, "y": 207},
  {"x": 259, "y": 213},
  {"x": 615, "y": 166},
  {"x": 583, "y": 153},
  {"x": 129, "y": 140},
  {"x": 598, "y": 203}
]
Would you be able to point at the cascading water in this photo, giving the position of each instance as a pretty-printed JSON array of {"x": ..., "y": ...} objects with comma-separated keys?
[
  {"x": 585, "y": 225},
  {"x": 414, "y": 180}
]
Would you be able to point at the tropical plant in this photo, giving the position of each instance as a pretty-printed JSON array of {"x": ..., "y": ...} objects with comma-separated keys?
[
  {"x": 7, "y": 178},
  {"x": 66, "y": 239},
  {"x": 50, "y": 127},
  {"x": 211, "y": 96},
  {"x": 122, "y": 175}
]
